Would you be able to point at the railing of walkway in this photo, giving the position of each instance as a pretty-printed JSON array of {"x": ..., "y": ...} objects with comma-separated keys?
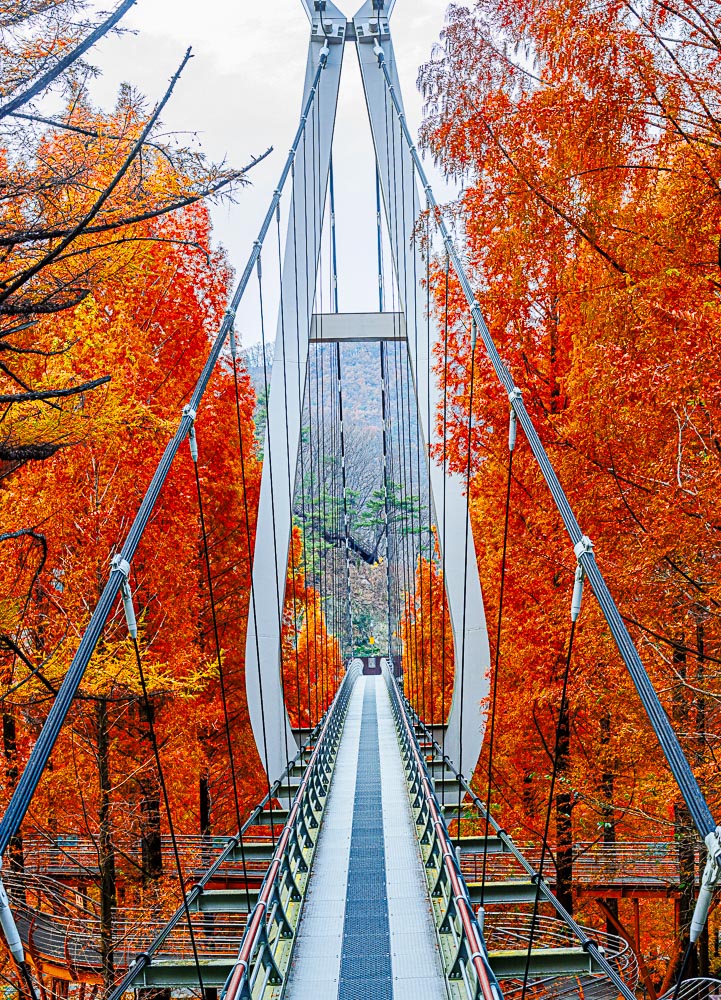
[
  {"x": 234, "y": 847},
  {"x": 268, "y": 942},
  {"x": 463, "y": 949}
]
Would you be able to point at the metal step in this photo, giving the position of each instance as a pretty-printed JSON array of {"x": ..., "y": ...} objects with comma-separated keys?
[
  {"x": 439, "y": 769},
  {"x": 450, "y": 810},
  {"x": 184, "y": 974},
  {"x": 446, "y": 790},
  {"x": 544, "y": 962},
  {"x": 482, "y": 845},
  {"x": 511, "y": 891},
  {"x": 279, "y": 816},
  {"x": 254, "y": 851},
  {"x": 225, "y": 901}
]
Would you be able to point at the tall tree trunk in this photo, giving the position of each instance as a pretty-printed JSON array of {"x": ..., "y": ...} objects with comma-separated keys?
[
  {"x": 150, "y": 833},
  {"x": 607, "y": 812},
  {"x": 204, "y": 796},
  {"x": 684, "y": 831},
  {"x": 106, "y": 853},
  {"x": 151, "y": 841},
  {"x": 564, "y": 806},
  {"x": 10, "y": 749}
]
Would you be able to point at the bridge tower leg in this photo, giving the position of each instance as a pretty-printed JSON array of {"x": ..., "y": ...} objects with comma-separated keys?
[{"x": 268, "y": 715}]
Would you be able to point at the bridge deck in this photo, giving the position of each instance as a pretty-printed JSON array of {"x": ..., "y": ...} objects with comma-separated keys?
[{"x": 366, "y": 928}]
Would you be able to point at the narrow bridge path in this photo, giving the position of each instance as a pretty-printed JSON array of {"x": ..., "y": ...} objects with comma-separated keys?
[{"x": 367, "y": 927}]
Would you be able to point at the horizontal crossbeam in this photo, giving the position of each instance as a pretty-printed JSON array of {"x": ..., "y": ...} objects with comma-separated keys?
[{"x": 334, "y": 328}]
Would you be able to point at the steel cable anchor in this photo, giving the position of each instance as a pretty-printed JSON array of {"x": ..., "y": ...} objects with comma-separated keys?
[{"x": 710, "y": 881}]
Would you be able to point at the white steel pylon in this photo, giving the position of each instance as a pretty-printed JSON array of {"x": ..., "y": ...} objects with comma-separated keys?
[{"x": 330, "y": 31}]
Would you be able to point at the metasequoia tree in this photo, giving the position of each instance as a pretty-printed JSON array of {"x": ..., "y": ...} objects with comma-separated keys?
[
  {"x": 427, "y": 639},
  {"x": 587, "y": 138},
  {"x": 311, "y": 654}
]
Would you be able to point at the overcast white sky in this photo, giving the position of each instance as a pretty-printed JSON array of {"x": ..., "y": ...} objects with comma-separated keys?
[{"x": 241, "y": 93}]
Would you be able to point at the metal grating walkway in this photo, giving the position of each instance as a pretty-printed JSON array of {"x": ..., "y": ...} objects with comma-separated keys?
[{"x": 366, "y": 929}]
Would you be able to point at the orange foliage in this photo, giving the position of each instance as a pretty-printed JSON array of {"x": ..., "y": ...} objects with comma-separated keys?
[
  {"x": 591, "y": 210},
  {"x": 312, "y": 661},
  {"x": 151, "y": 331},
  {"x": 427, "y": 639}
]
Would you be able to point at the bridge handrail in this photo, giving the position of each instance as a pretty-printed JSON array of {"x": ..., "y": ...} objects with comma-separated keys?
[
  {"x": 587, "y": 943},
  {"x": 145, "y": 958},
  {"x": 254, "y": 949},
  {"x": 477, "y": 955}
]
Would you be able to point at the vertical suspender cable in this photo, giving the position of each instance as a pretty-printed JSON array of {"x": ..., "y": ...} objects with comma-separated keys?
[
  {"x": 221, "y": 672},
  {"x": 384, "y": 418},
  {"x": 344, "y": 487},
  {"x": 166, "y": 801},
  {"x": 554, "y": 774},
  {"x": 291, "y": 471},
  {"x": 443, "y": 526},
  {"x": 333, "y": 243},
  {"x": 497, "y": 651},
  {"x": 379, "y": 241}
]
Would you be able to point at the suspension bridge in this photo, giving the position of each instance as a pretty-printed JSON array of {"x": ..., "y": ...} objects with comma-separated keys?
[{"x": 371, "y": 867}]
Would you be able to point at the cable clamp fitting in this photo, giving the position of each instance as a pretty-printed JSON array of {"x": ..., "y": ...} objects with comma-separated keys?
[
  {"x": 12, "y": 937},
  {"x": 513, "y": 396},
  {"x": 324, "y": 53},
  {"x": 585, "y": 545},
  {"x": 710, "y": 881},
  {"x": 378, "y": 52},
  {"x": 192, "y": 439},
  {"x": 120, "y": 565},
  {"x": 229, "y": 318}
]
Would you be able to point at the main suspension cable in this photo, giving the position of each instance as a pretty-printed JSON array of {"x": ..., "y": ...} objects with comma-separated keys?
[
  {"x": 658, "y": 718},
  {"x": 45, "y": 742}
]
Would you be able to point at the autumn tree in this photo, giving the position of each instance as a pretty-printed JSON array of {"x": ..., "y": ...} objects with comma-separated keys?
[{"x": 151, "y": 329}]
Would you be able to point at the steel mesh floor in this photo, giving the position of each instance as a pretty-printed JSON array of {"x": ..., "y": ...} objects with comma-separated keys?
[
  {"x": 366, "y": 932},
  {"x": 315, "y": 965},
  {"x": 366, "y": 958}
]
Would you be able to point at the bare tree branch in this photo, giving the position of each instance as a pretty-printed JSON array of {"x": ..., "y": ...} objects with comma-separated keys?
[
  {"x": 80, "y": 227},
  {"x": 43, "y": 82},
  {"x": 31, "y": 397}
]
